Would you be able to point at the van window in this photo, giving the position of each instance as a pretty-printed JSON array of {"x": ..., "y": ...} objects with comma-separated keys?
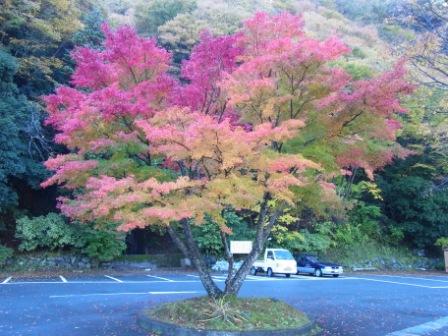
[
  {"x": 283, "y": 255},
  {"x": 270, "y": 255}
]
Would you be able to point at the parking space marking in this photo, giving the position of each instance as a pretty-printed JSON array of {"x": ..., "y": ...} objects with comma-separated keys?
[
  {"x": 304, "y": 277},
  {"x": 115, "y": 279},
  {"x": 408, "y": 277},
  {"x": 255, "y": 278},
  {"x": 180, "y": 292},
  {"x": 6, "y": 280},
  {"x": 221, "y": 278},
  {"x": 124, "y": 293},
  {"x": 96, "y": 282},
  {"x": 403, "y": 283},
  {"x": 191, "y": 275},
  {"x": 160, "y": 278},
  {"x": 422, "y": 329}
]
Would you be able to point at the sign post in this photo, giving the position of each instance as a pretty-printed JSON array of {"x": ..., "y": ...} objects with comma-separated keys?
[{"x": 446, "y": 259}]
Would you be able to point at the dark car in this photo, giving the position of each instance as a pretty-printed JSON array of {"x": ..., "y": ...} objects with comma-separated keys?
[{"x": 311, "y": 264}]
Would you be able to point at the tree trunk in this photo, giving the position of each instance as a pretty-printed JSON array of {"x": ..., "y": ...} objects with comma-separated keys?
[
  {"x": 191, "y": 251},
  {"x": 263, "y": 231},
  {"x": 234, "y": 281}
]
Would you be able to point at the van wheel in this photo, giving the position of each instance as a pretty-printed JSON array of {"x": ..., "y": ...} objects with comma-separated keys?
[
  {"x": 317, "y": 272},
  {"x": 270, "y": 273},
  {"x": 288, "y": 275},
  {"x": 253, "y": 271}
]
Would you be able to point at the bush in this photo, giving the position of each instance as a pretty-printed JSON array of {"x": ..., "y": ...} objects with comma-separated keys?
[
  {"x": 52, "y": 232},
  {"x": 101, "y": 245},
  {"x": 44, "y": 232},
  {"x": 373, "y": 254},
  {"x": 300, "y": 241},
  {"x": 5, "y": 254}
]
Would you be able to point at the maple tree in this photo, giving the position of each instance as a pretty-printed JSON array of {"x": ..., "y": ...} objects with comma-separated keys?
[{"x": 235, "y": 133}]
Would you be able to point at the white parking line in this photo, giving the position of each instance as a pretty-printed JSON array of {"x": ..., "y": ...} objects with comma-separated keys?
[
  {"x": 264, "y": 278},
  {"x": 125, "y": 293},
  {"x": 115, "y": 279},
  {"x": 422, "y": 329},
  {"x": 63, "y": 279},
  {"x": 304, "y": 277},
  {"x": 160, "y": 278},
  {"x": 403, "y": 283},
  {"x": 250, "y": 278},
  {"x": 408, "y": 277},
  {"x": 168, "y": 293},
  {"x": 6, "y": 280},
  {"x": 97, "y": 282}
]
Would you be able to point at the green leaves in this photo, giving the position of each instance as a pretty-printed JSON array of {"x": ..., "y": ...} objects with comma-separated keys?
[
  {"x": 208, "y": 236},
  {"x": 152, "y": 14},
  {"x": 442, "y": 242},
  {"x": 44, "y": 232},
  {"x": 52, "y": 232},
  {"x": 100, "y": 245},
  {"x": 18, "y": 129},
  {"x": 418, "y": 210},
  {"x": 5, "y": 254}
]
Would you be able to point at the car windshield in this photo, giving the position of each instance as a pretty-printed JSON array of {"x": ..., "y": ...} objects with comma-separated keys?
[
  {"x": 283, "y": 255},
  {"x": 312, "y": 259}
]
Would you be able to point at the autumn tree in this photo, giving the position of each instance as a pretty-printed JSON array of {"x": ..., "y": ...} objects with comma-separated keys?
[{"x": 258, "y": 116}]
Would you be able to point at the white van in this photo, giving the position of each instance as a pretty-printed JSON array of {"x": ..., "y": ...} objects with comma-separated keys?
[{"x": 275, "y": 261}]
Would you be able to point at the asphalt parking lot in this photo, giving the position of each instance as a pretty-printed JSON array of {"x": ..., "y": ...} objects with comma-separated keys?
[{"x": 106, "y": 305}]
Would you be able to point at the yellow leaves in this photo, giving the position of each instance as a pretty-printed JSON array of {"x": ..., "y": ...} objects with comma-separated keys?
[
  {"x": 287, "y": 219},
  {"x": 242, "y": 192},
  {"x": 372, "y": 188}
]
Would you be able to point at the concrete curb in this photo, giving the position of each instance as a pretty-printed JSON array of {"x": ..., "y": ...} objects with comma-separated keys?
[{"x": 169, "y": 329}]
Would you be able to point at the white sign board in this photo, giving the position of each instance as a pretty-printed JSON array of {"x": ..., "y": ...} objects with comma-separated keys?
[{"x": 240, "y": 246}]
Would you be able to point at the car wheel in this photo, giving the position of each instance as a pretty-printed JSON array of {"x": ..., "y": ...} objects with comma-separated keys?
[
  {"x": 253, "y": 271},
  {"x": 317, "y": 272},
  {"x": 335, "y": 275},
  {"x": 270, "y": 273},
  {"x": 288, "y": 275}
]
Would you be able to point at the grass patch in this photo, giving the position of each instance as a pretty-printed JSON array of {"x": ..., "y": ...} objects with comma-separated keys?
[{"x": 230, "y": 314}]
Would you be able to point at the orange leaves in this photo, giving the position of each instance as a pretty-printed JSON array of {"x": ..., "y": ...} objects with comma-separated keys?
[{"x": 286, "y": 163}]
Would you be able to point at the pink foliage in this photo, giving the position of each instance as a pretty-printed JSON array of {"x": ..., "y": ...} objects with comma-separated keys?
[
  {"x": 287, "y": 163},
  {"x": 380, "y": 95},
  {"x": 64, "y": 171},
  {"x": 126, "y": 79},
  {"x": 209, "y": 61},
  {"x": 127, "y": 59}
]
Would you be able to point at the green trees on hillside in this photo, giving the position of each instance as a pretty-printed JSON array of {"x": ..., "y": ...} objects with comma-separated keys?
[
  {"x": 36, "y": 38},
  {"x": 21, "y": 145}
]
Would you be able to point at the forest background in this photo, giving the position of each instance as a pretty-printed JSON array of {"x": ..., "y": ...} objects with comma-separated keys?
[{"x": 397, "y": 219}]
